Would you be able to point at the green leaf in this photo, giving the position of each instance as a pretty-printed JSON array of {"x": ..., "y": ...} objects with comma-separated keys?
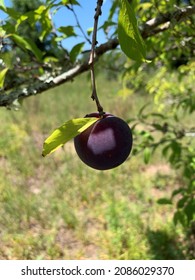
[
  {"x": 147, "y": 155},
  {"x": 190, "y": 210},
  {"x": 11, "y": 12},
  {"x": 182, "y": 202},
  {"x": 140, "y": 113},
  {"x": 2, "y": 76},
  {"x": 113, "y": 10},
  {"x": 70, "y": 2},
  {"x": 89, "y": 31},
  {"x": 166, "y": 150},
  {"x": 44, "y": 17},
  {"x": 107, "y": 25},
  {"x": 76, "y": 50},
  {"x": 27, "y": 44},
  {"x": 180, "y": 217},
  {"x": 68, "y": 31},
  {"x": 66, "y": 132},
  {"x": 177, "y": 191},
  {"x": 21, "y": 19},
  {"x": 158, "y": 115},
  {"x": 2, "y": 4},
  {"x": 164, "y": 201},
  {"x": 129, "y": 36},
  {"x": 157, "y": 126},
  {"x": 145, "y": 6},
  {"x": 2, "y": 34}
]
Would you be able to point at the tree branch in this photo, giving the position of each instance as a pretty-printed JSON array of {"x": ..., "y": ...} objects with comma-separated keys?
[
  {"x": 94, "y": 95},
  {"x": 180, "y": 14},
  {"x": 150, "y": 28}
]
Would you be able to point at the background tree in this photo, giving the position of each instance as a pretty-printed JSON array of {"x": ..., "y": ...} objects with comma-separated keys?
[
  {"x": 28, "y": 30},
  {"x": 32, "y": 48}
]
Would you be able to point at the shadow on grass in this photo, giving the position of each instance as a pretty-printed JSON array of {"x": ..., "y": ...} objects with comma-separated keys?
[{"x": 163, "y": 246}]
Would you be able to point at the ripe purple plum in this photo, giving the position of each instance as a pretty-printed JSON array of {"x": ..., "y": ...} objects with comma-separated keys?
[{"x": 106, "y": 144}]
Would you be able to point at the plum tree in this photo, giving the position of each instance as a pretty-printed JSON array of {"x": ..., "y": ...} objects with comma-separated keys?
[{"x": 106, "y": 144}]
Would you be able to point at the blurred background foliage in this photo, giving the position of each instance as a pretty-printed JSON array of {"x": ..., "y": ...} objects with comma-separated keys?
[{"x": 49, "y": 211}]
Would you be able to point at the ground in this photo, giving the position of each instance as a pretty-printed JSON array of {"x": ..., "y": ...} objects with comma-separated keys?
[{"x": 58, "y": 208}]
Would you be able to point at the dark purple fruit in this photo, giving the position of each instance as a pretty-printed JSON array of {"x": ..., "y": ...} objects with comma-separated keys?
[{"x": 106, "y": 144}]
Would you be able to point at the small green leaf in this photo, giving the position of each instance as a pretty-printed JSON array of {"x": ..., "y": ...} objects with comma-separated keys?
[
  {"x": 76, "y": 50},
  {"x": 11, "y": 12},
  {"x": 66, "y": 132},
  {"x": 43, "y": 15},
  {"x": 157, "y": 126},
  {"x": 158, "y": 115},
  {"x": 129, "y": 36},
  {"x": 21, "y": 19},
  {"x": 2, "y": 4},
  {"x": 70, "y": 2},
  {"x": 112, "y": 10},
  {"x": 166, "y": 150},
  {"x": 89, "y": 31},
  {"x": 141, "y": 111},
  {"x": 147, "y": 155},
  {"x": 68, "y": 31},
  {"x": 164, "y": 201},
  {"x": 182, "y": 202},
  {"x": 145, "y": 6},
  {"x": 190, "y": 210},
  {"x": 177, "y": 191},
  {"x": 2, "y": 34},
  {"x": 107, "y": 24},
  {"x": 179, "y": 217},
  {"x": 41, "y": 10},
  {"x": 2, "y": 76}
]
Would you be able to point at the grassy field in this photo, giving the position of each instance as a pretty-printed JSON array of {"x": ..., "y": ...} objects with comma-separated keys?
[{"x": 58, "y": 208}]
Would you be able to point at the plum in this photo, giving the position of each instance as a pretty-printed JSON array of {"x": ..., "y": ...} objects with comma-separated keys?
[{"x": 105, "y": 144}]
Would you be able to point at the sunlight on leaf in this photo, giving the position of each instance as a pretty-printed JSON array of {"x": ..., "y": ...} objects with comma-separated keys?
[
  {"x": 89, "y": 31},
  {"x": 66, "y": 132},
  {"x": 2, "y": 3},
  {"x": 72, "y": 2},
  {"x": 2, "y": 76},
  {"x": 129, "y": 36}
]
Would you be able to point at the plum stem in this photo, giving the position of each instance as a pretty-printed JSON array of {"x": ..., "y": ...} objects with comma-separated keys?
[{"x": 94, "y": 95}]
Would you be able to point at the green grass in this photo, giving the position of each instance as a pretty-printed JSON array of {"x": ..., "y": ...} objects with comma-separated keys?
[{"x": 58, "y": 208}]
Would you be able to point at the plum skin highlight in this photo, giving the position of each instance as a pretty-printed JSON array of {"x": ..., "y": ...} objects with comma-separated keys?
[{"x": 106, "y": 144}]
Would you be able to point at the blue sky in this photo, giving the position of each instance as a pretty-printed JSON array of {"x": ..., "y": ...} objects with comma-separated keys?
[{"x": 85, "y": 15}]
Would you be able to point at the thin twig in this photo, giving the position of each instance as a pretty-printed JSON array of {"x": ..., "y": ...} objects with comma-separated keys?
[
  {"x": 79, "y": 25},
  {"x": 94, "y": 96}
]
